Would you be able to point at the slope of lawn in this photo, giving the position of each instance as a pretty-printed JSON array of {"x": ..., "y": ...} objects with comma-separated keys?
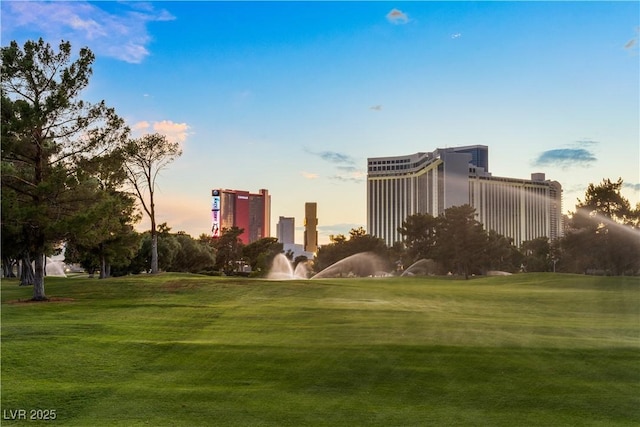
[{"x": 172, "y": 350}]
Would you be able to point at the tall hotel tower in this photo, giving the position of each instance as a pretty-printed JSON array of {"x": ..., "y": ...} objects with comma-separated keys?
[
  {"x": 285, "y": 230},
  {"x": 239, "y": 208},
  {"x": 310, "y": 227},
  {"x": 398, "y": 187}
]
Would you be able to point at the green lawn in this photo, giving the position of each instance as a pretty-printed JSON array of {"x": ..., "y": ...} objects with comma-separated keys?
[{"x": 170, "y": 350}]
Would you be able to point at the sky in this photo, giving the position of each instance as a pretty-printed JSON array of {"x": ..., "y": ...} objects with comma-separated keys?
[{"x": 295, "y": 96}]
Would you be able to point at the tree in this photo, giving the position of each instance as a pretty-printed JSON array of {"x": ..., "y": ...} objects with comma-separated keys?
[
  {"x": 606, "y": 200},
  {"x": 501, "y": 254},
  {"x": 461, "y": 240},
  {"x": 360, "y": 241},
  {"x": 103, "y": 234},
  {"x": 397, "y": 255},
  {"x": 419, "y": 237},
  {"x": 260, "y": 254},
  {"x": 193, "y": 255},
  {"x": 578, "y": 250},
  {"x": 634, "y": 217},
  {"x": 340, "y": 248},
  {"x": 228, "y": 249},
  {"x": 168, "y": 248},
  {"x": 300, "y": 259},
  {"x": 14, "y": 248},
  {"x": 108, "y": 237},
  {"x": 537, "y": 254},
  {"x": 603, "y": 235},
  {"x": 331, "y": 253},
  {"x": 144, "y": 158},
  {"x": 48, "y": 136}
]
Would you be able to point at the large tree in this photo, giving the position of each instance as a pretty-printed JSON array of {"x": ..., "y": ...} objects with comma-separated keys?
[
  {"x": 418, "y": 236},
  {"x": 228, "y": 249},
  {"x": 103, "y": 234},
  {"x": 108, "y": 237},
  {"x": 605, "y": 200},
  {"x": 461, "y": 240},
  {"x": 144, "y": 159},
  {"x": 537, "y": 254},
  {"x": 341, "y": 247},
  {"x": 361, "y": 241},
  {"x": 194, "y": 256},
  {"x": 603, "y": 234},
  {"x": 49, "y": 135},
  {"x": 260, "y": 254},
  {"x": 501, "y": 254}
]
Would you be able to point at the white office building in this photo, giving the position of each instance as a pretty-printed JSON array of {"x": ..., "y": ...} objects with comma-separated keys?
[
  {"x": 285, "y": 230},
  {"x": 286, "y": 235},
  {"x": 430, "y": 182}
]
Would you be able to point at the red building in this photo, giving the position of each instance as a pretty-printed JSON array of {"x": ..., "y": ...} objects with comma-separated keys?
[{"x": 251, "y": 212}]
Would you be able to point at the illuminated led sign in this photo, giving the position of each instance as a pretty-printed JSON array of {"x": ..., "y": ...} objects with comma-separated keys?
[{"x": 215, "y": 213}]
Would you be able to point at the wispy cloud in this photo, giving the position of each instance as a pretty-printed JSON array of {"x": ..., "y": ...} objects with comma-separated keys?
[
  {"x": 345, "y": 165},
  {"x": 565, "y": 158},
  {"x": 333, "y": 157},
  {"x": 581, "y": 143},
  {"x": 141, "y": 127},
  {"x": 356, "y": 177},
  {"x": 176, "y": 132},
  {"x": 579, "y": 153},
  {"x": 579, "y": 188},
  {"x": 335, "y": 229},
  {"x": 632, "y": 45},
  {"x": 456, "y": 36},
  {"x": 348, "y": 169},
  {"x": 349, "y": 175},
  {"x": 309, "y": 175},
  {"x": 397, "y": 17},
  {"x": 173, "y": 131},
  {"x": 631, "y": 186},
  {"x": 121, "y": 35}
]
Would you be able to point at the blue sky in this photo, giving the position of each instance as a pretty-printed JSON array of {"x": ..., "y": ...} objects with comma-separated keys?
[{"x": 294, "y": 96}]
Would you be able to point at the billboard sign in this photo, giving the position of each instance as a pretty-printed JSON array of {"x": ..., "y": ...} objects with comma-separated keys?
[{"x": 215, "y": 213}]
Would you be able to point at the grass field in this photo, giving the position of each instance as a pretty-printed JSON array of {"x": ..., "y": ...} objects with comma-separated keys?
[{"x": 171, "y": 350}]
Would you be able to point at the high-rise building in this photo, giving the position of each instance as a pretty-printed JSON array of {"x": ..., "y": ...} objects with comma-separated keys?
[
  {"x": 431, "y": 182},
  {"x": 239, "y": 208},
  {"x": 310, "y": 227},
  {"x": 285, "y": 230}
]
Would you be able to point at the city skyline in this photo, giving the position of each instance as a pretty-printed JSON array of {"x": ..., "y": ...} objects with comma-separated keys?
[{"x": 294, "y": 97}]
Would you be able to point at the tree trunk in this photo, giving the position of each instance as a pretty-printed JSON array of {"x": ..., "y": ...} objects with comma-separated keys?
[
  {"x": 154, "y": 252},
  {"x": 26, "y": 271},
  {"x": 38, "y": 279},
  {"x": 103, "y": 269},
  {"x": 154, "y": 232},
  {"x": 7, "y": 267},
  {"x": 39, "y": 165}
]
